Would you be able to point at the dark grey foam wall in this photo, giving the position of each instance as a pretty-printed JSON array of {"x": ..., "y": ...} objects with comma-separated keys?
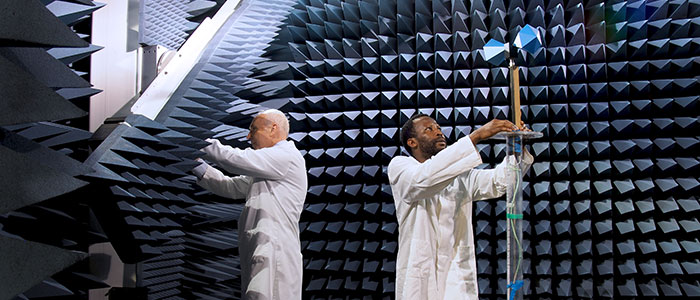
[
  {"x": 167, "y": 23},
  {"x": 44, "y": 216}
]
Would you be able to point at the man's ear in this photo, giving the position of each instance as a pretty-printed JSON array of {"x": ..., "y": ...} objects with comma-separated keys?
[{"x": 412, "y": 143}]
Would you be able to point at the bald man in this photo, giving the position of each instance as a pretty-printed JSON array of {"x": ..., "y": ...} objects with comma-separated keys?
[{"x": 273, "y": 183}]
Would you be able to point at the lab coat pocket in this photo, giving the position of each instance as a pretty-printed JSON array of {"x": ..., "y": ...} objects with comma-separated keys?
[
  {"x": 467, "y": 266},
  {"x": 418, "y": 275}
]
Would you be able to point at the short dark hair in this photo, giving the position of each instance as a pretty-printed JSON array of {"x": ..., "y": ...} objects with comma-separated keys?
[{"x": 408, "y": 132}]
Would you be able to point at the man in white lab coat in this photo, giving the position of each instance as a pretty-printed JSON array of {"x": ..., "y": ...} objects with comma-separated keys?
[
  {"x": 273, "y": 183},
  {"x": 433, "y": 192}
]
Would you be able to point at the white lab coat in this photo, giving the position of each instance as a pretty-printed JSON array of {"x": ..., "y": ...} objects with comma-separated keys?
[
  {"x": 436, "y": 258},
  {"x": 273, "y": 182}
]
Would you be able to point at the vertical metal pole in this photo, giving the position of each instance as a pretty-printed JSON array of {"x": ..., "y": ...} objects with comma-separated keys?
[{"x": 514, "y": 216}]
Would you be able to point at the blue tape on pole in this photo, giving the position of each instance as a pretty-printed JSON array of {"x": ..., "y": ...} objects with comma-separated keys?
[{"x": 515, "y": 286}]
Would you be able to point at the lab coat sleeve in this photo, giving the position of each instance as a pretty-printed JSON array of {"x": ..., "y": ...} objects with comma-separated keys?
[
  {"x": 414, "y": 181},
  {"x": 225, "y": 186},
  {"x": 492, "y": 183},
  {"x": 268, "y": 163}
]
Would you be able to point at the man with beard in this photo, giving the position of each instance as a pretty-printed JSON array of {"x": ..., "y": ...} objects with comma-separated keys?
[
  {"x": 433, "y": 192},
  {"x": 273, "y": 182}
]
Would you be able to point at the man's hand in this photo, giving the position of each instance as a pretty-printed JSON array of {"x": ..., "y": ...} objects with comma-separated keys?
[
  {"x": 523, "y": 127},
  {"x": 492, "y": 128}
]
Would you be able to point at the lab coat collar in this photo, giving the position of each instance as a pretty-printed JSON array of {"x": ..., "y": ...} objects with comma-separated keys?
[{"x": 282, "y": 143}]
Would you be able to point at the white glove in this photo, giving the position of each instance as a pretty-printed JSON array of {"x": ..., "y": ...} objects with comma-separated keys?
[{"x": 201, "y": 169}]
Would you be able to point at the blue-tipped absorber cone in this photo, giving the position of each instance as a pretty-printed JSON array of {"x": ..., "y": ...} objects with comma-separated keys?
[
  {"x": 495, "y": 52},
  {"x": 528, "y": 39}
]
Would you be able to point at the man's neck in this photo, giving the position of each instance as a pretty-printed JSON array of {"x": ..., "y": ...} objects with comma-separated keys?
[{"x": 420, "y": 157}]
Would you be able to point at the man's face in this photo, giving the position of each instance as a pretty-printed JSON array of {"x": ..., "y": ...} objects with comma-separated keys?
[
  {"x": 429, "y": 137},
  {"x": 261, "y": 133}
]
